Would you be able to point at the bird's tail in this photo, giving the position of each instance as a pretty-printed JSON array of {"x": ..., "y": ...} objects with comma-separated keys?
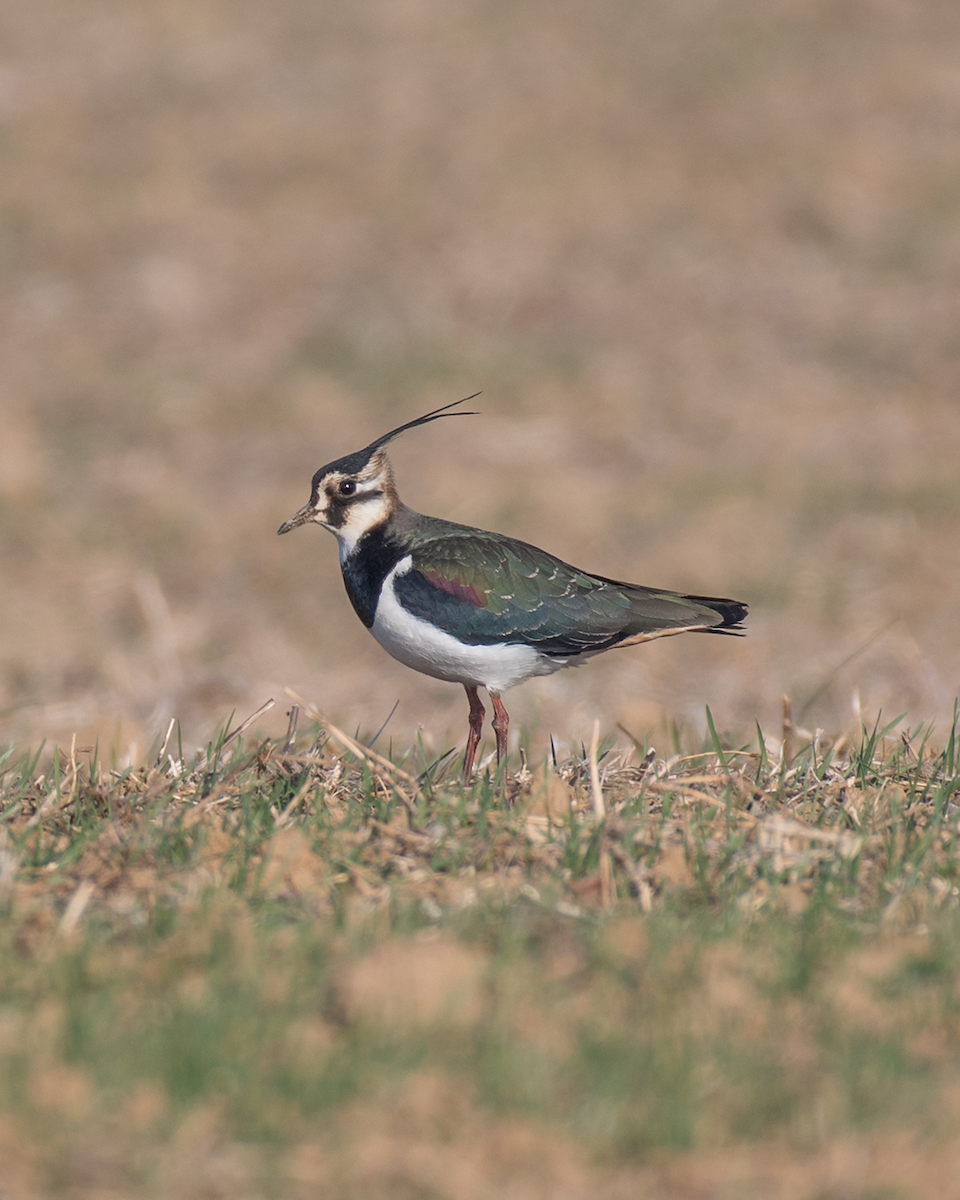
[{"x": 733, "y": 612}]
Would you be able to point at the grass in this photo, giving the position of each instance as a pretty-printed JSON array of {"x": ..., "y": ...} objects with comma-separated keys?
[{"x": 286, "y": 960}]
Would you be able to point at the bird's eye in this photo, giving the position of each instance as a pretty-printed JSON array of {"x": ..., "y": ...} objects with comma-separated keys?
[{"x": 348, "y": 487}]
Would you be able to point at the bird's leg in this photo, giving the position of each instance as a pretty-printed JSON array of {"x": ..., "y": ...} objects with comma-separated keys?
[
  {"x": 477, "y": 713},
  {"x": 501, "y": 723}
]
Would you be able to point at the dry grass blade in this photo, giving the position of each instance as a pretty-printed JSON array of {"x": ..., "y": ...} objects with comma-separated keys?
[
  {"x": 596, "y": 791},
  {"x": 371, "y": 756},
  {"x": 292, "y": 718},
  {"x": 785, "y": 836},
  {"x": 234, "y": 734},
  {"x": 76, "y": 907},
  {"x": 354, "y": 746},
  {"x": 786, "y": 741},
  {"x": 687, "y": 780},
  {"x": 161, "y": 753},
  {"x": 689, "y": 794}
]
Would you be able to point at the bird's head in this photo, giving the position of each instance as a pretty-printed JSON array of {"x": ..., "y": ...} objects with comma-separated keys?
[{"x": 356, "y": 493}]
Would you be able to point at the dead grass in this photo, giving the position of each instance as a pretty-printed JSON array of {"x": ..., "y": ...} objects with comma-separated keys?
[{"x": 263, "y": 970}]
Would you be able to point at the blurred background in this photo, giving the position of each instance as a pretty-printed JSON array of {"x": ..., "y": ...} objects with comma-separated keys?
[{"x": 703, "y": 260}]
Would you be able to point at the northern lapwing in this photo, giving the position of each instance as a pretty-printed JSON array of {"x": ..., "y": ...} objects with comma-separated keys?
[{"x": 476, "y": 608}]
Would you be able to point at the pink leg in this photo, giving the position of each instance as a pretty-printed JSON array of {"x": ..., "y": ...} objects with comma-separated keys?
[
  {"x": 477, "y": 713},
  {"x": 501, "y": 723}
]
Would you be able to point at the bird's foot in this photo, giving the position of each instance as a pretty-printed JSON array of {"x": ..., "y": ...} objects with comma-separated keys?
[
  {"x": 501, "y": 725},
  {"x": 477, "y": 713}
]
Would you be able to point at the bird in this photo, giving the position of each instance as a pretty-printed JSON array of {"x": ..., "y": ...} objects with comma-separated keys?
[{"x": 477, "y": 608}]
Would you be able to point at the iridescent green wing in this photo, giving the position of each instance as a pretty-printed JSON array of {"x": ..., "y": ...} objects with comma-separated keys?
[{"x": 486, "y": 589}]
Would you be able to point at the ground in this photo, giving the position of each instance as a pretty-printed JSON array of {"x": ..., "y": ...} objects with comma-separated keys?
[
  {"x": 702, "y": 261},
  {"x": 294, "y": 965}
]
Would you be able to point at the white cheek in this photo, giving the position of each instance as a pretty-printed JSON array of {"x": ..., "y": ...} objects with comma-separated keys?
[{"x": 360, "y": 518}]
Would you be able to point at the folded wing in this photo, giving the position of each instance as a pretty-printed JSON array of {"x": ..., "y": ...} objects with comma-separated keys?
[{"x": 487, "y": 589}]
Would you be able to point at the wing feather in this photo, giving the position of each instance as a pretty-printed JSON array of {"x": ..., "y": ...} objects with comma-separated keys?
[{"x": 487, "y": 589}]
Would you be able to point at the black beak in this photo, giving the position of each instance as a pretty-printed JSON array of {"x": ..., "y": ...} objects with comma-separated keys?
[{"x": 299, "y": 518}]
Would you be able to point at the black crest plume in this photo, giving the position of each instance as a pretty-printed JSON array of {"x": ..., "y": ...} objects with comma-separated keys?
[
  {"x": 355, "y": 462},
  {"x": 424, "y": 420}
]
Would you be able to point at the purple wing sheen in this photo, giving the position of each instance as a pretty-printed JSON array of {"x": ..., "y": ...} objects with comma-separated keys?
[{"x": 453, "y": 586}]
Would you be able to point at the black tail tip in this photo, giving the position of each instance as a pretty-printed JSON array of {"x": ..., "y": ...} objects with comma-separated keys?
[{"x": 733, "y": 612}]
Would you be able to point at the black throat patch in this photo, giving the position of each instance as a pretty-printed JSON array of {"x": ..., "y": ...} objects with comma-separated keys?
[{"x": 373, "y": 558}]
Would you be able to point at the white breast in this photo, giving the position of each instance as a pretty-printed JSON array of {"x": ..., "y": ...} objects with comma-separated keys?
[{"x": 420, "y": 645}]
